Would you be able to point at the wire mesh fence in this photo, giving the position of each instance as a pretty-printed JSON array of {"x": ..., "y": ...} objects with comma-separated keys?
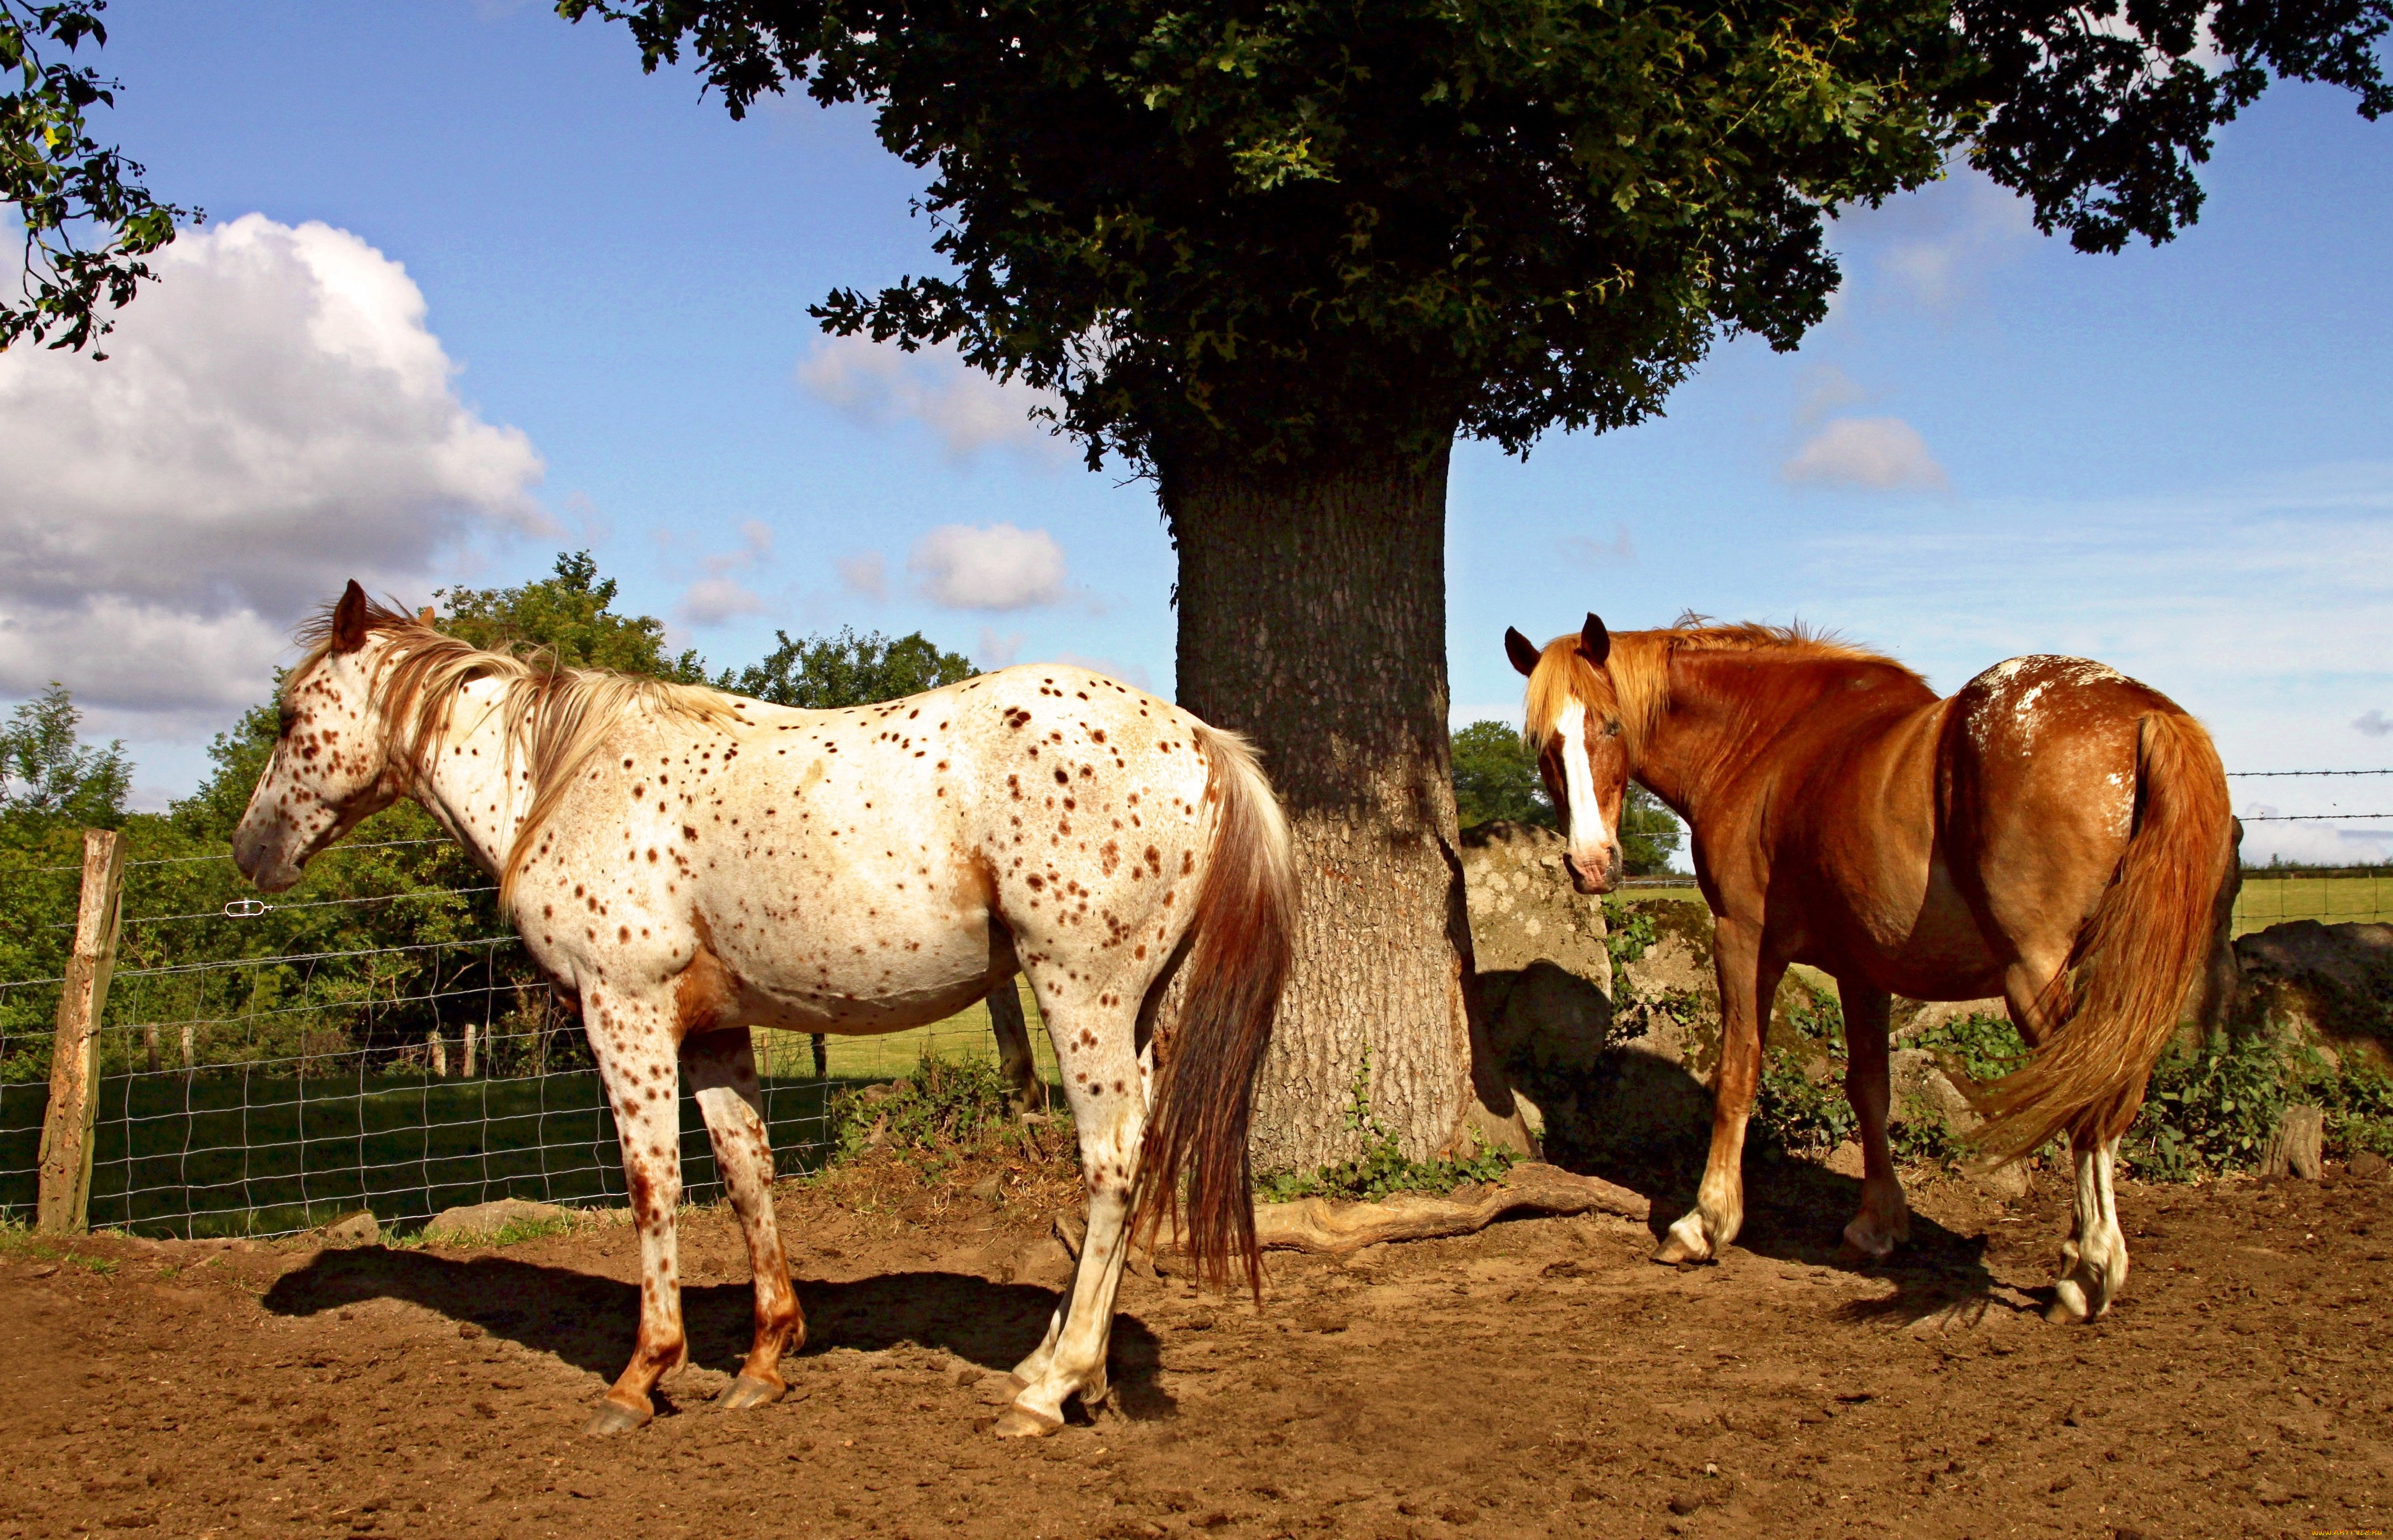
[{"x": 249, "y": 1087}]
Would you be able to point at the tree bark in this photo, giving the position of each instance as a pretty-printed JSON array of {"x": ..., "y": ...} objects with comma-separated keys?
[{"x": 1313, "y": 620}]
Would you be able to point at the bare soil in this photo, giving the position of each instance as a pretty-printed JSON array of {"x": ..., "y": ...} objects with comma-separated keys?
[{"x": 1541, "y": 1377}]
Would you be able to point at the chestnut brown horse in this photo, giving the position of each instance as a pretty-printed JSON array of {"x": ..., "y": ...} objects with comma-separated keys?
[{"x": 2053, "y": 833}]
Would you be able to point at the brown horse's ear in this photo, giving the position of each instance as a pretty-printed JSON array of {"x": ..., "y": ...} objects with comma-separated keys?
[
  {"x": 349, "y": 619},
  {"x": 1523, "y": 653},
  {"x": 1594, "y": 641}
]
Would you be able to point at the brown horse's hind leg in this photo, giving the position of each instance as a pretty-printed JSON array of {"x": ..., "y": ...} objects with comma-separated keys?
[
  {"x": 1748, "y": 981},
  {"x": 723, "y": 1072},
  {"x": 2094, "y": 1258},
  {"x": 1884, "y": 1222}
]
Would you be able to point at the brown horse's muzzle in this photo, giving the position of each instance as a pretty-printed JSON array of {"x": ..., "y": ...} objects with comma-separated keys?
[{"x": 1600, "y": 878}]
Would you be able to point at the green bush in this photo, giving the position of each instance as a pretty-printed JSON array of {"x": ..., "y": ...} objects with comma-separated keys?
[
  {"x": 1795, "y": 1112},
  {"x": 929, "y": 1118},
  {"x": 2212, "y": 1107}
]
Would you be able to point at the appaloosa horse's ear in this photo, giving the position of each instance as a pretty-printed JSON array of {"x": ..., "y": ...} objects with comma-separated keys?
[
  {"x": 349, "y": 620},
  {"x": 1594, "y": 641},
  {"x": 1523, "y": 653}
]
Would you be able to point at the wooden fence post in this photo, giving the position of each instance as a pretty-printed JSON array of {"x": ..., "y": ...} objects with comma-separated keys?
[{"x": 65, "y": 1198}]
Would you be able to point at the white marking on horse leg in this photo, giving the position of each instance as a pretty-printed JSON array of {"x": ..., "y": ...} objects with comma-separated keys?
[
  {"x": 2094, "y": 1258},
  {"x": 1718, "y": 1212},
  {"x": 723, "y": 1072}
]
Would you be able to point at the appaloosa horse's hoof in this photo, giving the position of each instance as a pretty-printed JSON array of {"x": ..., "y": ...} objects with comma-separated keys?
[
  {"x": 613, "y": 1417},
  {"x": 1020, "y": 1422},
  {"x": 747, "y": 1391}
]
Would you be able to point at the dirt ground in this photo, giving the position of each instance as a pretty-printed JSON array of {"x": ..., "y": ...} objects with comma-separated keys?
[{"x": 1538, "y": 1379}]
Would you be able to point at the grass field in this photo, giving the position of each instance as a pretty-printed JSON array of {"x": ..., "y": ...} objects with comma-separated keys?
[
  {"x": 2340, "y": 899},
  {"x": 233, "y": 1152}
]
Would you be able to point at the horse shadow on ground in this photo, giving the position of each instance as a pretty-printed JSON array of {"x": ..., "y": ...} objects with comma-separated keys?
[
  {"x": 1646, "y": 1127},
  {"x": 589, "y": 1322}
]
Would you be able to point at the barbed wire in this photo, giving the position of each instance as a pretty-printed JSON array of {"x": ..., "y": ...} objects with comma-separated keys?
[
  {"x": 2309, "y": 817},
  {"x": 241, "y": 908},
  {"x": 2264, "y": 774}
]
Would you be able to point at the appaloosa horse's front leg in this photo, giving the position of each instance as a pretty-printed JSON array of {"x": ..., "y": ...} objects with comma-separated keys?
[
  {"x": 633, "y": 1042},
  {"x": 1884, "y": 1222},
  {"x": 1748, "y": 981},
  {"x": 723, "y": 1073},
  {"x": 1107, "y": 1083}
]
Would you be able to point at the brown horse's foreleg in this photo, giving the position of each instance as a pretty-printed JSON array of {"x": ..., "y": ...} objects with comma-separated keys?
[
  {"x": 633, "y": 1049},
  {"x": 1748, "y": 981},
  {"x": 723, "y": 1072},
  {"x": 1884, "y": 1222}
]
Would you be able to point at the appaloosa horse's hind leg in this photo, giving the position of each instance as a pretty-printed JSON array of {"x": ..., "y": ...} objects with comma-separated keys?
[
  {"x": 723, "y": 1072},
  {"x": 1106, "y": 1085},
  {"x": 1884, "y": 1222},
  {"x": 1014, "y": 1065},
  {"x": 633, "y": 1042}
]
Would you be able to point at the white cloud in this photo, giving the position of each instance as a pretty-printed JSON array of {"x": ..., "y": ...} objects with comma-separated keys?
[
  {"x": 997, "y": 651},
  {"x": 712, "y": 601},
  {"x": 1883, "y": 453},
  {"x": 274, "y": 419},
  {"x": 866, "y": 576},
  {"x": 2373, "y": 722},
  {"x": 1927, "y": 250},
  {"x": 719, "y": 596},
  {"x": 1588, "y": 551},
  {"x": 879, "y": 384},
  {"x": 2315, "y": 844},
  {"x": 997, "y": 567}
]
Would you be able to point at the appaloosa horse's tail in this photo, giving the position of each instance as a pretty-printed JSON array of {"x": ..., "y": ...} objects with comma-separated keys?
[
  {"x": 1242, "y": 938},
  {"x": 2142, "y": 955}
]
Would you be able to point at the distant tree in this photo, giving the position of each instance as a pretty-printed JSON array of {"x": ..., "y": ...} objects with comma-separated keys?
[
  {"x": 821, "y": 673},
  {"x": 88, "y": 220},
  {"x": 567, "y": 616},
  {"x": 47, "y": 771},
  {"x": 1496, "y": 777}
]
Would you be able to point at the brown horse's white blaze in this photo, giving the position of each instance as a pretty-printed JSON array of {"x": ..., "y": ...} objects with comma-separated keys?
[
  {"x": 1569, "y": 751},
  {"x": 2054, "y": 833},
  {"x": 694, "y": 865}
]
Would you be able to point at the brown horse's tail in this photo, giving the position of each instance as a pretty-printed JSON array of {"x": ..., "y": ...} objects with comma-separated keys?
[
  {"x": 1242, "y": 937},
  {"x": 2142, "y": 953}
]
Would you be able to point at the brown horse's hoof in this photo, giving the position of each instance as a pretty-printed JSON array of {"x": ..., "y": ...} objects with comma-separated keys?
[
  {"x": 1021, "y": 1423},
  {"x": 613, "y": 1417},
  {"x": 747, "y": 1391}
]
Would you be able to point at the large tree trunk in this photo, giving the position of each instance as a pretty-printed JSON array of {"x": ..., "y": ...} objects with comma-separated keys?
[{"x": 1313, "y": 620}]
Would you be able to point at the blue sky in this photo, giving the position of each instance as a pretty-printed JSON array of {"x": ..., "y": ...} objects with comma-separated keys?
[{"x": 559, "y": 304}]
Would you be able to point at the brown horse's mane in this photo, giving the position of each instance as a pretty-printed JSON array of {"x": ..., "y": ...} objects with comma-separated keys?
[
  {"x": 1638, "y": 670},
  {"x": 556, "y": 717}
]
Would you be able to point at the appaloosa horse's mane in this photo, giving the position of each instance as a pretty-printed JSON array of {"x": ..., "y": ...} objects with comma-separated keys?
[{"x": 556, "y": 717}]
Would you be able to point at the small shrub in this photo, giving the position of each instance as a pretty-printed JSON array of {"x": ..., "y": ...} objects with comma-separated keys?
[
  {"x": 1794, "y": 1112},
  {"x": 2212, "y": 1107},
  {"x": 1982, "y": 1047},
  {"x": 1382, "y": 1168},
  {"x": 926, "y": 1118},
  {"x": 1628, "y": 931},
  {"x": 2359, "y": 1105}
]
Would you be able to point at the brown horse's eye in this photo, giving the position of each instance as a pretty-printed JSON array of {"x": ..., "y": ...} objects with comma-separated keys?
[{"x": 1612, "y": 727}]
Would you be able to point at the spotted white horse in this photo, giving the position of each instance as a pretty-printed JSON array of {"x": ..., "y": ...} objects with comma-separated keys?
[{"x": 694, "y": 864}]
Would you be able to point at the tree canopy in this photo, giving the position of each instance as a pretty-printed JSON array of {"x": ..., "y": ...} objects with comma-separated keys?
[
  {"x": 1287, "y": 228},
  {"x": 567, "y": 616},
  {"x": 47, "y": 771},
  {"x": 823, "y": 672},
  {"x": 88, "y": 220}
]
